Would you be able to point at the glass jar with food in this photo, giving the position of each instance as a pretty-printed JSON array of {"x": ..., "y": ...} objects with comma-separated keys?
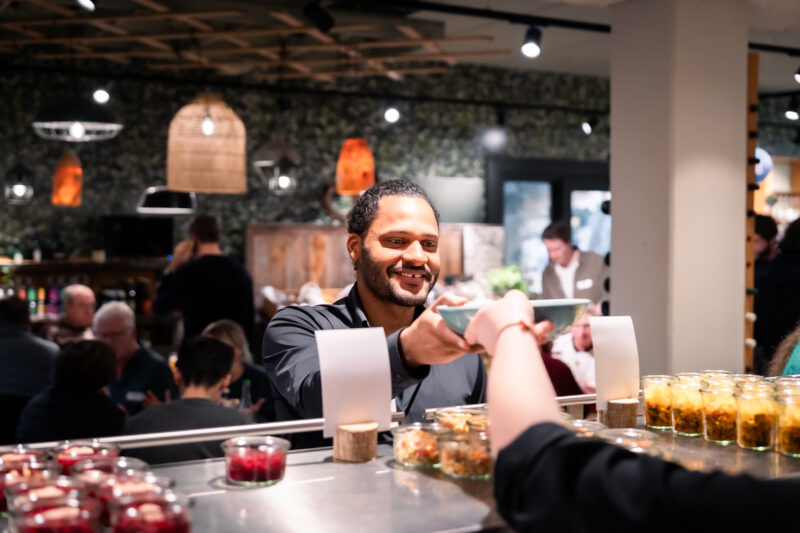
[
  {"x": 456, "y": 418},
  {"x": 253, "y": 461},
  {"x": 689, "y": 377},
  {"x": 719, "y": 413},
  {"x": 756, "y": 418},
  {"x": 417, "y": 445},
  {"x": 465, "y": 455},
  {"x": 789, "y": 421},
  {"x": 687, "y": 408},
  {"x": 635, "y": 440},
  {"x": 70, "y": 452},
  {"x": 657, "y": 401},
  {"x": 167, "y": 512},
  {"x": 43, "y": 489},
  {"x": 587, "y": 428}
]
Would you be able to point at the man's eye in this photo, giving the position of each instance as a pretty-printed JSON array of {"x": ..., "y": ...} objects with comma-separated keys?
[
  {"x": 430, "y": 244},
  {"x": 395, "y": 242}
]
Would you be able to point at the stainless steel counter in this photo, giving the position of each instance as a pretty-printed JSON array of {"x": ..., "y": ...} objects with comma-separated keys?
[{"x": 319, "y": 495}]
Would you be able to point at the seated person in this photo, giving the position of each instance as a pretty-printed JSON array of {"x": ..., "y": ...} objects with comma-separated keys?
[
  {"x": 142, "y": 376},
  {"x": 77, "y": 405},
  {"x": 547, "y": 479},
  {"x": 231, "y": 333},
  {"x": 26, "y": 361},
  {"x": 76, "y": 322},
  {"x": 575, "y": 350},
  {"x": 393, "y": 244},
  {"x": 204, "y": 370}
]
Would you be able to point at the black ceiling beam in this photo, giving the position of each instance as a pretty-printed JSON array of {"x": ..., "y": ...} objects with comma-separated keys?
[{"x": 794, "y": 52}]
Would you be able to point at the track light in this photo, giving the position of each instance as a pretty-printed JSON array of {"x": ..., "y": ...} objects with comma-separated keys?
[
  {"x": 101, "y": 96},
  {"x": 588, "y": 126},
  {"x": 532, "y": 45},
  {"x": 797, "y": 75},
  {"x": 320, "y": 18},
  {"x": 391, "y": 115},
  {"x": 793, "y": 111},
  {"x": 88, "y": 5},
  {"x": 495, "y": 138}
]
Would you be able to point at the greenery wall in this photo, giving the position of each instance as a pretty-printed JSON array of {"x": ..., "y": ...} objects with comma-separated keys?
[{"x": 431, "y": 139}]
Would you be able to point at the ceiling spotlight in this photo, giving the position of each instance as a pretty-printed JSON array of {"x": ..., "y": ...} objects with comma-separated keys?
[
  {"x": 88, "y": 5},
  {"x": 793, "y": 111},
  {"x": 532, "y": 45},
  {"x": 797, "y": 75},
  {"x": 320, "y": 18},
  {"x": 101, "y": 96},
  {"x": 391, "y": 115},
  {"x": 588, "y": 126}
]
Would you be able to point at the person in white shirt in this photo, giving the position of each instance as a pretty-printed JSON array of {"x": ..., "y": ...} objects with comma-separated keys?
[
  {"x": 571, "y": 273},
  {"x": 575, "y": 350}
]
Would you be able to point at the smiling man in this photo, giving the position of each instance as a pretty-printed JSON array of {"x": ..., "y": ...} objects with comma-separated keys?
[{"x": 393, "y": 243}]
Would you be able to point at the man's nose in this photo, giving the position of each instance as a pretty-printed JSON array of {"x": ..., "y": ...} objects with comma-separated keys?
[{"x": 414, "y": 253}]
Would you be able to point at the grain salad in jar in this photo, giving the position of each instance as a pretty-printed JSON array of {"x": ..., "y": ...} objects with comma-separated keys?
[
  {"x": 756, "y": 417},
  {"x": 687, "y": 408},
  {"x": 789, "y": 422},
  {"x": 719, "y": 414},
  {"x": 417, "y": 445},
  {"x": 657, "y": 401}
]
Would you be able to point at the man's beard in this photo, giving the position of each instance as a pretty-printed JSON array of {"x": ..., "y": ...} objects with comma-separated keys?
[{"x": 382, "y": 287}]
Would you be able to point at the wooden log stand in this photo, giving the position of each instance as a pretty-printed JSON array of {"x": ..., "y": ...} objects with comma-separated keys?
[
  {"x": 620, "y": 413},
  {"x": 355, "y": 443}
]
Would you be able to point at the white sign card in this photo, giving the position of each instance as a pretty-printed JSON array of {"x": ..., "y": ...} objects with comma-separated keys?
[
  {"x": 356, "y": 381},
  {"x": 616, "y": 358}
]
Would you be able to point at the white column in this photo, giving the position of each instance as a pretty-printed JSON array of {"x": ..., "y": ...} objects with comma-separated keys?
[{"x": 678, "y": 155}]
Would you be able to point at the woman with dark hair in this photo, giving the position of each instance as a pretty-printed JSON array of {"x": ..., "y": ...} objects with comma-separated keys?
[
  {"x": 786, "y": 360},
  {"x": 776, "y": 302},
  {"x": 77, "y": 405}
]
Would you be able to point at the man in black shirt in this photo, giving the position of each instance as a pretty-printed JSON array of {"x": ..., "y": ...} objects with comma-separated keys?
[
  {"x": 204, "y": 285},
  {"x": 142, "y": 376},
  {"x": 393, "y": 243},
  {"x": 204, "y": 366}
]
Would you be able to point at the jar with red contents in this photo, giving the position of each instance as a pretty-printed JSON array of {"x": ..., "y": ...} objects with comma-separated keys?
[
  {"x": 253, "y": 461},
  {"x": 43, "y": 489},
  {"x": 166, "y": 512},
  {"x": 120, "y": 485},
  {"x": 23, "y": 468},
  {"x": 57, "y": 515},
  {"x": 70, "y": 452}
]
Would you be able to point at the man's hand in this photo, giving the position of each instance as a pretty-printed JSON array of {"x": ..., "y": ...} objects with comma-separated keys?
[
  {"x": 150, "y": 398},
  {"x": 183, "y": 251},
  {"x": 253, "y": 409},
  {"x": 429, "y": 340}
]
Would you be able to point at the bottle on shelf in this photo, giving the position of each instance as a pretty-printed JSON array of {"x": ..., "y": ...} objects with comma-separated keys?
[
  {"x": 40, "y": 302},
  {"x": 246, "y": 401},
  {"x": 32, "y": 300}
]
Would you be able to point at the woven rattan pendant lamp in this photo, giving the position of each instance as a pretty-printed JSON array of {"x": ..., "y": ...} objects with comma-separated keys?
[
  {"x": 206, "y": 148},
  {"x": 355, "y": 170}
]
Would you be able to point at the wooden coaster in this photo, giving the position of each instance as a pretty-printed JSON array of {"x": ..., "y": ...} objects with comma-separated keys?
[
  {"x": 355, "y": 443},
  {"x": 620, "y": 413}
]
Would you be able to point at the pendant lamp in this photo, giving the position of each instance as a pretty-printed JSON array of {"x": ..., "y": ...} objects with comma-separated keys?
[
  {"x": 355, "y": 170},
  {"x": 206, "y": 148},
  {"x": 76, "y": 120},
  {"x": 19, "y": 184},
  {"x": 276, "y": 163},
  {"x": 68, "y": 181}
]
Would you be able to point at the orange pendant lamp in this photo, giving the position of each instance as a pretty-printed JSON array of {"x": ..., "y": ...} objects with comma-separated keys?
[
  {"x": 68, "y": 181},
  {"x": 355, "y": 170}
]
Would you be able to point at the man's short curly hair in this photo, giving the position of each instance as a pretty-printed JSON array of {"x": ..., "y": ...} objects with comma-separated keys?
[{"x": 361, "y": 216}]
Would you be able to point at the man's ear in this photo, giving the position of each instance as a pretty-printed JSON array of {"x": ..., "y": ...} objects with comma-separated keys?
[
  {"x": 226, "y": 381},
  {"x": 354, "y": 247}
]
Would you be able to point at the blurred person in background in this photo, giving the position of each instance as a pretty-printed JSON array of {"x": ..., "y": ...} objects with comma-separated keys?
[
  {"x": 575, "y": 349},
  {"x": 76, "y": 322},
  {"x": 203, "y": 284},
  {"x": 571, "y": 273},
  {"x": 77, "y": 405},
  {"x": 263, "y": 406},
  {"x": 776, "y": 301},
  {"x": 142, "y": 376}
]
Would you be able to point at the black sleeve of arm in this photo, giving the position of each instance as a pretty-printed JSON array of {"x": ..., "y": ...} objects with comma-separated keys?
[
  {"x": 550, "y": 480},
  {"x": 167, "y": 296}
]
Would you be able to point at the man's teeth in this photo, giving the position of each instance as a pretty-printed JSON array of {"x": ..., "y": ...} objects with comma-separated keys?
[{"x": 407, "y": 275}]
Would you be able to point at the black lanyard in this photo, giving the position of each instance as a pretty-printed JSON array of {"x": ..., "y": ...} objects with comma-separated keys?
[{"x": 413, "y": 397}]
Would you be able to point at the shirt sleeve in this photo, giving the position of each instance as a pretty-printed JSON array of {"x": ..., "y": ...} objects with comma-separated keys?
[
  {"x": 290, "y": 358},
  {"x": 550, "y": 480}
]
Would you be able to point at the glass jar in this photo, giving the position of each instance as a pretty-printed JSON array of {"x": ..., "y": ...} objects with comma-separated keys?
[
  {"x": 789, "y": 422},
  {"x": 716, "y": 374},
  {"x": 21, "y": 452},
  {"x": 744, "y": 380},
  {"x": 167, "y": 512},
  {"x": 657, "y": 401},
  {"x": 465, "y": 455},
  {"x": 756, "y": 418},
  {"x": 689, "y": 377},
  {"x": 417, "y": 445},
  {"x": 687, "y": 408},
  {"x": 253, "y": 461},
  {"x": 456, "y": 418},
  {"x": 787, "y": 382},
  {"x": 19, "y": 469},
  {"x": 43, "y": 489},
  {"x": 719, "y": 414},
  {"x": 66, "y": 514},
  {"x": 635, "y": 440},
  {"x": 70, "y": 452},
  {"x": 587, "y": 428}
]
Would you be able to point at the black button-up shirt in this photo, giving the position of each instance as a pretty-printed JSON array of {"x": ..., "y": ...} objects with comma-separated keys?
[{"x": 292, "y": 364}]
